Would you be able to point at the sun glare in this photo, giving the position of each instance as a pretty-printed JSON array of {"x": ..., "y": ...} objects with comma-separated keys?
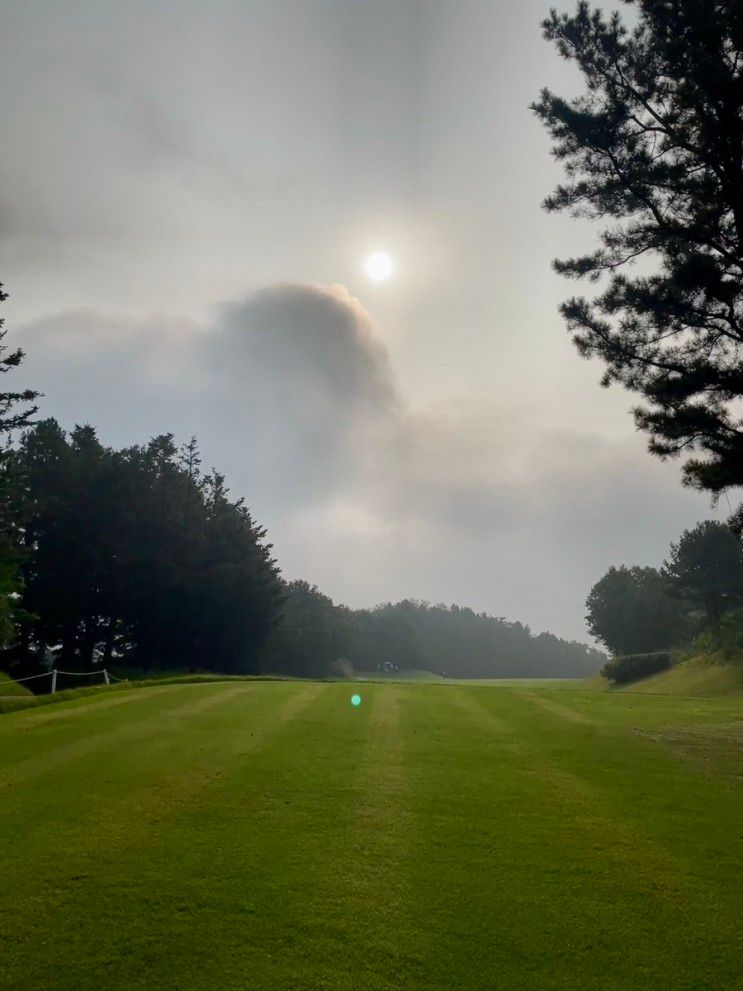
[{"x": 379, "y": 266}]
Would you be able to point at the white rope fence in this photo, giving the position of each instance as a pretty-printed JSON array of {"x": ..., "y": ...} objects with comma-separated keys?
[
  {"x": 107, "y": 678},
  {"x": 31, "y": 677}
]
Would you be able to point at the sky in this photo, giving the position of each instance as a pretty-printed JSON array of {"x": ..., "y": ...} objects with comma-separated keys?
[{"x": 188, "y": 195}]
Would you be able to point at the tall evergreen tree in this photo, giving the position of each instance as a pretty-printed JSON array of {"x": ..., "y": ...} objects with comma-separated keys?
[
  {"x": 16, "y": 410},
  {"x": 70, "y": 530},
  {"x": 241, "y": 582},
  {"x": 654, "y": 147},
  {"x": 133, "y": 553}
]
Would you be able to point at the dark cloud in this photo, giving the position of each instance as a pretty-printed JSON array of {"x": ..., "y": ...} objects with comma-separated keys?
[
  {"x": 318, "y": 347},
  {"x": 299, "y": 381}
]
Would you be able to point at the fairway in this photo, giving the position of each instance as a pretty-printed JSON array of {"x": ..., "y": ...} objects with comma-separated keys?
[{"x": 273, "y": 836}]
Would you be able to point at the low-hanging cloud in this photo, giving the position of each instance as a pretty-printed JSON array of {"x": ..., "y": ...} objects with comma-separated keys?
[{"x": 292, "y": 393}]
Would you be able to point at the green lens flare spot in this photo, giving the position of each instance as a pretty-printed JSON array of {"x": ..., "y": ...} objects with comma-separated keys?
[{"x": 355, "y": 700}]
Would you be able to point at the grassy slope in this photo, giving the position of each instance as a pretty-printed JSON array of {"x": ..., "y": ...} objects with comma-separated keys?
[
  {"x": 26, "y": 699},
  {"x": 11, "y": 689},
  {"x": 693, "y": 677},
  {"x": 270, "y": 836},
  {"x": 410, "y": 674}
]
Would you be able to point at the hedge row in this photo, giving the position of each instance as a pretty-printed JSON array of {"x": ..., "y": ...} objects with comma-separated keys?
[{"x": 633, "y": 667}]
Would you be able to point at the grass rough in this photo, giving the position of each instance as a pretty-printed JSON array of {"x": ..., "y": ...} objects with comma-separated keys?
[{"x": 697, "y": 676}]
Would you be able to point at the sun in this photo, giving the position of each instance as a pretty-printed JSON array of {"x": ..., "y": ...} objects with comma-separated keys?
[{"x": 379, "y": 266}]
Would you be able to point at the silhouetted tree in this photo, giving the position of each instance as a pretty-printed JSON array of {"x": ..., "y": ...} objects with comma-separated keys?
[
  {"x": 631, "y": 611},
  {"x": 16, "y": 410},
  {"x": 133, "y": 553},
  {"x": 706, "y": 568},
  {"x": 70, "y": 534},
  {"x": 313, "y": 636},
  {"x": 654, "y": 147},
  {"x": 240, "y": 581}
]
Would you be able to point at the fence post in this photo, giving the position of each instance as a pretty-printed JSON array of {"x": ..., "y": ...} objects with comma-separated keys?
[
  {"x": 54, "y": 681},
  {"x": 105, "y": 675}
]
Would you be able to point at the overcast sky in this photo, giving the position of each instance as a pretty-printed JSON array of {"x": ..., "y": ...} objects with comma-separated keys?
[{"x": 188, "y": 195}]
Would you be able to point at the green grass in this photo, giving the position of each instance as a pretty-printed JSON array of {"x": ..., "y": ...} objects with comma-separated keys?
[
  {"x": 407, "y": 674},
  {"x": 23, "y": 699},
  {"x": 699, "y": 676},
  {"x": 267, "y": 835},
  {"x": 13, "y": 695}
]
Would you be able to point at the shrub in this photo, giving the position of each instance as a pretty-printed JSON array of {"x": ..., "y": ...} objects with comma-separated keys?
[
  {"x": 728, "y": 636},
  {"x": 633, "y": 667}
]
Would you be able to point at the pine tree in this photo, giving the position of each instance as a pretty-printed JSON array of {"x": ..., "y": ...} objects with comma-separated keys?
[
  {"x": 705, "y": 566},
  {"x": 16, "y": 410},
  {"x": 654, "y": 147}
]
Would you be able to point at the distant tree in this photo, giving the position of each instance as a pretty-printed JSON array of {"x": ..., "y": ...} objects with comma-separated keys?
[
  {"x": 313, "y": 635},
  {"x": 631, "y": 611},
  {"x": 463, "y": 644},
  {"x": 706, "y": 568},
  {"x": 190, "y": 459},
  {"x": 398, "y": 632},
  {"x": 653, "y": 147}
]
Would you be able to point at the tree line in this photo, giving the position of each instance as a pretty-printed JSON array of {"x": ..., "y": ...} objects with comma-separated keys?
[
  {"x": 134, "y": 554},
  {"x": 317, "y": 636},
  {"x": 137, "y": 560},
  {"x": 695, "y": 597}
]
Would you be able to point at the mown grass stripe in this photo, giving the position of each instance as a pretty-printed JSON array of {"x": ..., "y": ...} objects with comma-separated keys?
[
  {"x": 559, "y": 873},
  {"x": 556, "y": 708},
  {"x": 51, "y": 759},
  {"x": 436, "y": 837},
  {"x": 135, "y": 821}
]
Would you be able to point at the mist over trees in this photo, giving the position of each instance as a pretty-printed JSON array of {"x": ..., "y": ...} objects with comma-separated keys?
[
  {"x": 653, "y": 148},
  {"x": 458, "y": 642},
  {"x": 316, "y": 637}
]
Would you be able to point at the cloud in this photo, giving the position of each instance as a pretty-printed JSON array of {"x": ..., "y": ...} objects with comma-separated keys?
[
  {"x": 305, "y": 383},
  {"x": 286, "y": 389},
  {"x": 310, "y": 350},
  {"x": 292, "y": 393}
]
